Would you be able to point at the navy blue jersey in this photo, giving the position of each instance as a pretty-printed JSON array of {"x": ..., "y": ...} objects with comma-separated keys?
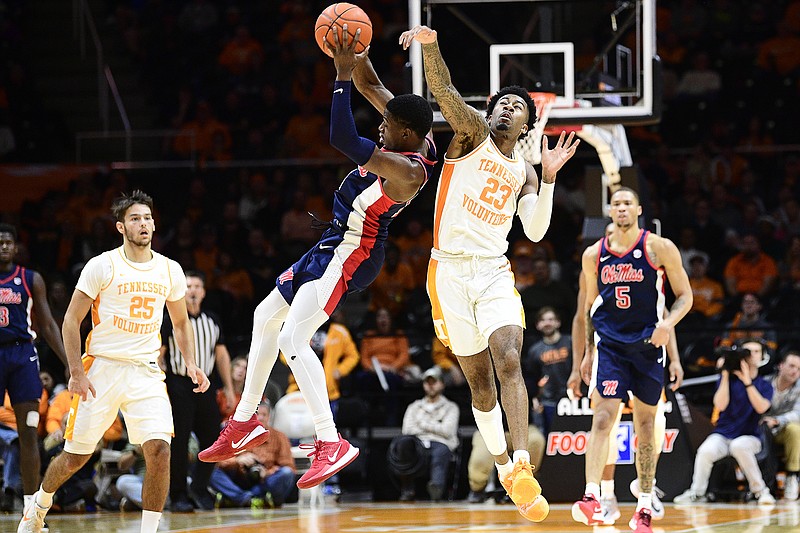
[
  {"x": 362, "y": 213},
  {"x": 631, "y": 293},
  {"x": 16, "y": 302}
]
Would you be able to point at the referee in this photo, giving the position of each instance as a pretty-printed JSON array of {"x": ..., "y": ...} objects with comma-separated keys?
[{"x": 192, "y": 411}]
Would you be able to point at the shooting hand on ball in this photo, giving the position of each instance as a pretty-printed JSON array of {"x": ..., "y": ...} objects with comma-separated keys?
[{"x": 345, "y": 57}]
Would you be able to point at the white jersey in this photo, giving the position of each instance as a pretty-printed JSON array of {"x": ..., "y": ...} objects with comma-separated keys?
[
  {"x": 128, "y": 305},
  {"x": 476, "y": 201}
]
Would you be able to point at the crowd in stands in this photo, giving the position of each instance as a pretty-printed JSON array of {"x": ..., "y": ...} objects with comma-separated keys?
[{"x": 245, "y": 81}]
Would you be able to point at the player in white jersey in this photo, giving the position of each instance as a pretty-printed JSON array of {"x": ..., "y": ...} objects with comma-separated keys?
[
  {"x": 476, "y": 310},
  {"x": 126, "y": 290}
]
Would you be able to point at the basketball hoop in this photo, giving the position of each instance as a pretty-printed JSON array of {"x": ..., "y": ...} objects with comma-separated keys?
[{"x": 530, "y": 146}]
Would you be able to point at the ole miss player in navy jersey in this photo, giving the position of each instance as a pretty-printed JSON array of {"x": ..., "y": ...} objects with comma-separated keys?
[
  {"x": 347, "y": 258},
  {"x": 23, "y": 304},
  {"x": 626, "y": 325}
]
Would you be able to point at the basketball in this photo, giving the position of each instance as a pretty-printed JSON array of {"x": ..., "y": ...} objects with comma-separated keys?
[{"x": 335, "y": 16}]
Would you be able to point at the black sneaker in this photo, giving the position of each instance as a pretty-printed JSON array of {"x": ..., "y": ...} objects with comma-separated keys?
[
  {"x": 182, "y": 505},
  {"x": 202, "y": 499},
  {"x": 7, "y": 500},
  {"x": 478, "y": 496},
  {"x": 407, "y": 495},
  {"x": 435, "y": 491}
]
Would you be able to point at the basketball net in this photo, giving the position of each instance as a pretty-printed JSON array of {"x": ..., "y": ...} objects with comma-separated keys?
[{"x": 530, "y": 146}]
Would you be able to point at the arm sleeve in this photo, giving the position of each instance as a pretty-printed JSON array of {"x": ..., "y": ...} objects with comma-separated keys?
[
  {"x": 534, "y": 212},
  {"x": 344, "y": 136}
]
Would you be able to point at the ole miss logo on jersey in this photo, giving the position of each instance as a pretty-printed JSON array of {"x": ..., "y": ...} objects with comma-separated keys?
[
  {"x": 621, "y": 273},
  {"x": 10, "y": 296}
]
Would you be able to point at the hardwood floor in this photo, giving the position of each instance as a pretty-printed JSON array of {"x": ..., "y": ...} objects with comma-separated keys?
[{"x": 452, "y": 517}]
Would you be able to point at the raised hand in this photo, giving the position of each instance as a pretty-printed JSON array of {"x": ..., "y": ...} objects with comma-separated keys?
[
  {"x": 344, "y": 53},
  {"x": 553, "y": 160},
  {"x": 421, "y": 34}
]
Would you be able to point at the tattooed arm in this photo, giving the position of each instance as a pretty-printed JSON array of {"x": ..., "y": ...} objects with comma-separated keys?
[
  {"x": 468, "y": 123},
  {"x": 589, "y": 273},
  {"x": 667, "y": 255}
]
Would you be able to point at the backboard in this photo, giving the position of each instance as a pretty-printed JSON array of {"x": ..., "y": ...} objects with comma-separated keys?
[{"x": 597, "y": 56}]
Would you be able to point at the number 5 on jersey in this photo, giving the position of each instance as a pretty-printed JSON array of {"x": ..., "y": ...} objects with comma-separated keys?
[{"x": 622, "y": 296}]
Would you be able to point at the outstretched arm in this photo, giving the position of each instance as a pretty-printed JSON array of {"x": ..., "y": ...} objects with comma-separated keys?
[
  {"x": 370, "y": 85},
  {"x": 535, "y": 209},
  {"x": 405, "y": 175},
  {"x": 465, "y": 120}
]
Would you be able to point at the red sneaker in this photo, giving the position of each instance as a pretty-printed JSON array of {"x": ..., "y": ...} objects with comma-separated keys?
[
  {"x": 640, "y": 523},
  {"x": 587, "y": 511},
  {"x": 235, "y": 438},
  {"x": 327, "y": 459}
]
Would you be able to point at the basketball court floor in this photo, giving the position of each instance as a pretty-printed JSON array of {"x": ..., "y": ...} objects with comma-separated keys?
[{"x": 452, "y": 517}]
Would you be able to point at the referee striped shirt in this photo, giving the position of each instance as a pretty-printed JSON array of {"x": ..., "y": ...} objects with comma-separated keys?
[{"x": 207, "y": 335}]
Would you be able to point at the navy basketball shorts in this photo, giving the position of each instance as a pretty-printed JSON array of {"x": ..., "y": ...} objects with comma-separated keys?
[
  {"x": 19, "y": 372},
  {"x": 637, "y": 368}
]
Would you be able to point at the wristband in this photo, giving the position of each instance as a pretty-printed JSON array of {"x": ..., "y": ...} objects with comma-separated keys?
[{"x": 748, "y": 385}]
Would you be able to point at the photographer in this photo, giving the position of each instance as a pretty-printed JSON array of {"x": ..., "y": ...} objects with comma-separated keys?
[
  {"x": 260, "y": 477},
  {"x": 742, "y": 396}
]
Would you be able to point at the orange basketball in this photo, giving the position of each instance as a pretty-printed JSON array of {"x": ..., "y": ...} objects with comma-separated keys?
[{"x": 335, "y": 16}]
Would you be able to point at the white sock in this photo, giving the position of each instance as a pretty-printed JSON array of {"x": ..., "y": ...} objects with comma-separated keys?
[
  {"x": 267, "y": 321},
  {"x": 150, "y": 521},
  {"x": 326, "y": 428},
  {"x": 44, "y": 498},
  {"x": 607, "y": 488},
  {"x": 303, "y": 320},
  {"x": 593, "y": 489},
  {"x": 490, "y": 424},
  {"x": 645, "y": 502},
  {"x": 503, "y": 471},
  {"x": 521, "y": 455}
]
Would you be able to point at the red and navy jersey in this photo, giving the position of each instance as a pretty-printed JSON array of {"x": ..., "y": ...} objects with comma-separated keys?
[
  {"x": 631, "y": 293},
  {"x": 16, "y": 302},
  {"x": 361, "y": 205},
  {"x": 349, "y": 255}
]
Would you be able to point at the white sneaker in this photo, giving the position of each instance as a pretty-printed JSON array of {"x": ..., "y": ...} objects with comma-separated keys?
[
  {"x": 688, "y": 498},
  {"x": 33, "y": 517},
  {"x": 765, "y": 498},
  {"x": 657, "y": 506},
  {"x": 610, "y": 509},
  {"x": 792, "y": 488}
]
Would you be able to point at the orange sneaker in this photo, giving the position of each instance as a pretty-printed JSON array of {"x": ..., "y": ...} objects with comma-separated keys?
[
  {"x": 521, "y": 486},
  {"x": 536, "y": 511}
]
